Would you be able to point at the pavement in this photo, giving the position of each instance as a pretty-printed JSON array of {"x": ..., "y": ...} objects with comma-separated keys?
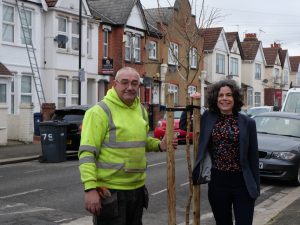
[{"x": 284, "y": 212}]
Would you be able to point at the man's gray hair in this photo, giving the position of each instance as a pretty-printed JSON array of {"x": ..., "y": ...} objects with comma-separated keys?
[{"x": 120, "y": 71}]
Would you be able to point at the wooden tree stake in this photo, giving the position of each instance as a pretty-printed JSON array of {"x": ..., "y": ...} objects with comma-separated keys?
[{"x": 170, "y": 162}]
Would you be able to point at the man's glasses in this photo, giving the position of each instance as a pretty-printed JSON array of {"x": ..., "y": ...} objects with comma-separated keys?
[{"x": 125, "y": 82}]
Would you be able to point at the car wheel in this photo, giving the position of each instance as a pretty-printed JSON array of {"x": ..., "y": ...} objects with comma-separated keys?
[{"x": 297, "y": 179}]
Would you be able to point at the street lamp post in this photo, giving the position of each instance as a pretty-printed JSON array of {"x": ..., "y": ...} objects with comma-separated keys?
[{"x": 79, "y": 62}]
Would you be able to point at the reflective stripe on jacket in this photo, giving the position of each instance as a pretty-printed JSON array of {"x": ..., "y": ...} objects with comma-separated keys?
[{"x": 113, "y": 145}]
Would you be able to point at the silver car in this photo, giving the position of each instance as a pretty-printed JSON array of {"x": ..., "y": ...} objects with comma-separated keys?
[{"x": 279, "y": 145}]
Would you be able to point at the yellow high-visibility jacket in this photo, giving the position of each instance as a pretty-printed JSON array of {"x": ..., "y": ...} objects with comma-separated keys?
[{"x": 113, "y": 145}]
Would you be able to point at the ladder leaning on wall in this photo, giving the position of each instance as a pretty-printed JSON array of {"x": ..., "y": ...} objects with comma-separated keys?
[{"x": 31, "y": 52}]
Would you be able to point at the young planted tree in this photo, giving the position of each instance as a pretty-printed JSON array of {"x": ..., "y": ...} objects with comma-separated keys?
[{"x": 181, "y": 31}]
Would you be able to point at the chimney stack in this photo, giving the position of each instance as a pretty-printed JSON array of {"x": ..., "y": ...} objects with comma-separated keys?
[
  {"x": 250, "y": 37},
  {"x": 276, "y": 45}
]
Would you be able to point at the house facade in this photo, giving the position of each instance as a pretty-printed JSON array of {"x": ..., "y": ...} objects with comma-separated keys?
[
  {"x": 253, "y": 71},
  {"x": 295, "y": 71},
  {"x": 60, "y": 61},
  {"x": 286, "y": 70},
  {"x": 274, "y": 75},
  {"x": 13, "y": 52},
  {"x": 46, "y": 56},
  {"x": 121, "y": 42}
]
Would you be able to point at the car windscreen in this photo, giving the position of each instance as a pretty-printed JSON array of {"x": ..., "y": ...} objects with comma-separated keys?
[
  {"x": 69, "y": 116},
  {"x": 256, "y": 111},
  {"x": 278, "y": 125},
  {"x": 292, "y": 102}
]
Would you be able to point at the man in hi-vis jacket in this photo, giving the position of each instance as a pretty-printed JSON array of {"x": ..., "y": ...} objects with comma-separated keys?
[{"x": 112, "y": 154}]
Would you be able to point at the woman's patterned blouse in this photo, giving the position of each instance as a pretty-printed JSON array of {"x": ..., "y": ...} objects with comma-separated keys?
[{"x": 225, "y": 142}]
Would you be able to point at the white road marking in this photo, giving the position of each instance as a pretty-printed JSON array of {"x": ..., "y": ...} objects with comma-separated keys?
[
  {"x": 33, "y": 171},
  {"x": 87, "y": 220},
  {"x": 156, "y": 164},
  {"x": 158, "y": 192},
  {"x": 161, "y": 163},
  {"x": 12, "y": 206},
  {"x": 164, "y": 190},
  {"x": 23, "y": 210},
  {"x": 265, "y": 189},
  {"x": 181, "y": 185},
  {"x": 38, "y": 209},
  {"x": 21, "y": 193},
  {"x": 62, "y": 220}
]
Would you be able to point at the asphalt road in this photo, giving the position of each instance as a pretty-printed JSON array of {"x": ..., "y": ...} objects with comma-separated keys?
[{"x": 34, "y": 193}]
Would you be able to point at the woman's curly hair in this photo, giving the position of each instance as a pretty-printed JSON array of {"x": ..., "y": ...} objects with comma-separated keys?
[{"x": 213, "y": 92}]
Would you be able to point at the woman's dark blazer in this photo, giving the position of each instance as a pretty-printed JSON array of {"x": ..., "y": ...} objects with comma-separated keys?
[{"x": 248, "y": 151}]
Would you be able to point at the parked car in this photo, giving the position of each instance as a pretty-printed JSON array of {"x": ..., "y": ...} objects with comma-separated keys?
[
  {"x": 292, "y": 101},
  {"x": 161, "y": 126},
  {"x": 73, "y": 115},
  {"x": 253, "y": 111},
  {"x": 279, "y": 145}
]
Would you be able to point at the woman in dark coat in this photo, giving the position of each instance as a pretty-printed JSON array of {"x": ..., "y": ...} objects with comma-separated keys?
[{"x": 228, "y": 156}]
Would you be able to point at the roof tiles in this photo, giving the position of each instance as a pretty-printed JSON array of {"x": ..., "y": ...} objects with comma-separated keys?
[
  {"x": 112, "y": 11},
  {"x": 250, "y": 49},
  {"x": 270, "y": 55},
  {"x": 211, "y": 36},
  {"x": 51, "y": 3},
  {"x": 295, "y": 61},
  {"x": 4, "y": 70}
]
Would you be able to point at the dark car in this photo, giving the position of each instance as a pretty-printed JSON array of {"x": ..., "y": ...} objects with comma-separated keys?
[
  {"x": 73, "y": 116},
  {"x": 279, "y": 145}
]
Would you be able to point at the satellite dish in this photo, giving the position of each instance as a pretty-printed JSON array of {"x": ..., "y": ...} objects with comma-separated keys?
[
  {"x": 265, "y": 81},
  {"x": 61, "y": 39}
]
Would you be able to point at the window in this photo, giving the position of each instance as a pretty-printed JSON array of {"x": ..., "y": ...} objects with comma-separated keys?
[
  {"x": 234, "y": 67},
  {"x": 257, "y": 71},
  {"x": 8, "y": 24},
  {"x": 298, "y": 79},
  {"x": 155, "y": 93},
  {"x": 286, "y": 77},
  {"x": 174, "y": 89},
  {"x": 193, "y": 58},
  {"x": 250, "y": 97},
  {"x": 220, "y": 65},
  {"x": 75, "y": 35},
  {"x": 62, "y": 30},
  {"x": 62, "y": 25},
  {"x": 3, "y": 97},
  {"x": 191, "y": 90},
  {"x": 105, "y": 43},
  {"x": 257, "y": 99},
  {"x": 128, "y": 47},
  {"x": 173, "y": 54},
  {"x": 152, "y": 50},
  {"x": 26, "y": 20},
  {"x": 12, "y": 99},
  {"x": 137, "y": 48},
  {"x": 133, "y": 47},
  {"x": 26, "y": 89},
  {"x": 62, "y": 92},
  {"x": 75, "y": 91},
  {"x": 89, "y": 40},
  {"x": 276, "y": 76}
]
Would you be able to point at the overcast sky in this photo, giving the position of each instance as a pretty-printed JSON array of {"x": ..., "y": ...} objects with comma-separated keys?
[{"x": 271, "y": 20}]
